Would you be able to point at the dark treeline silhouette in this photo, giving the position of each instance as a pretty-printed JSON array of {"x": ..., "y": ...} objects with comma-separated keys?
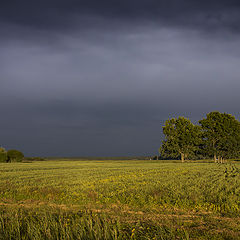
[{"x": 217, "y": 136}]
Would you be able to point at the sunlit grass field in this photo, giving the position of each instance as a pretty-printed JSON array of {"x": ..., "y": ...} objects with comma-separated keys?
[{"x": 119, "y": 200}]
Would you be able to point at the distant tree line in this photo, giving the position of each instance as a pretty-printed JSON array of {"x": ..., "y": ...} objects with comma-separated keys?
[
  {"x": 10, "y": 155},
  {"x": 217, "y": 136}
]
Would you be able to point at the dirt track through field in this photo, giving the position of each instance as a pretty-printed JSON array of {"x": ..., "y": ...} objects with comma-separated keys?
[{"x": 32, "y": 204}]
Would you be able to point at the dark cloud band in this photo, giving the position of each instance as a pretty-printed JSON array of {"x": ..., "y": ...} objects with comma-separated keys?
[{"x": 63, "y": 14}]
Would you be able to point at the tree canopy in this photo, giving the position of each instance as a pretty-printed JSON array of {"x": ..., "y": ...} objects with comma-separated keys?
[
  {"x": 14, "y": 155},
  {"x": 217, "y": 136},
  {"x": 221, "y": 135},
  {"x": 182, "y": 138},
  {"x": 3, "y": 155}
]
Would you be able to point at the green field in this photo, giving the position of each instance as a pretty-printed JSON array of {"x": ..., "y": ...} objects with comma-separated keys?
[{"x": 130, "y": 199}]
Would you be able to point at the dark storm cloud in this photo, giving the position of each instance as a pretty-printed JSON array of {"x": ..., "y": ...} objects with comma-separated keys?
[
  {"x": 61, "y": 14},
  {"x": 101, "y": 77}
]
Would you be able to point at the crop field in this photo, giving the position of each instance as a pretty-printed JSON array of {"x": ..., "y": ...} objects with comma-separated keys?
[{"x": 130, "y": 199}]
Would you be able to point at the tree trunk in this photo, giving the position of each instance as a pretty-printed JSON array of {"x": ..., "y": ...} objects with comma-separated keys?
[
  {"x": 182, "y": 157},
  {"x": 215, "y": 158}
]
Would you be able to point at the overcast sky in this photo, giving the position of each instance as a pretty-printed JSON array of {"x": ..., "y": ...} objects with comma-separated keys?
[{"x": 99, "y": 78}]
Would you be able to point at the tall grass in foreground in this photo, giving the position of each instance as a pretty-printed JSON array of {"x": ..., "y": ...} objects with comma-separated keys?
[{"x": 48, "y": 224}]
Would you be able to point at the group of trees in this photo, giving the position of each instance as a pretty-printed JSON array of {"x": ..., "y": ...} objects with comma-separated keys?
[
  {"x": 217, "y": 136},
  {"x": 10, "y": 155}
]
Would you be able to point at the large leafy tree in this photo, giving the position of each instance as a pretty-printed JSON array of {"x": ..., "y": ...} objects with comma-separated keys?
[
  {"x": 182, "y": 138},
  {"x": 221, "y": 135}
]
